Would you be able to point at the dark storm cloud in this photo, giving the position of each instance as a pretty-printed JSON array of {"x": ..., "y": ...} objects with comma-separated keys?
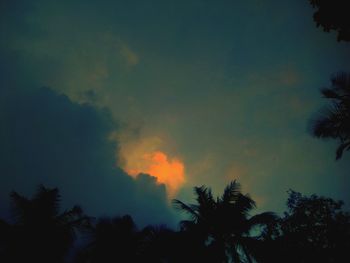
[{"x": 46, "y": 138}]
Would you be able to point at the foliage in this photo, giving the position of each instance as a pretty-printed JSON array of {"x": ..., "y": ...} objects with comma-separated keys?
[
  {"x": 40, "y": 233},
  {"x": 333, "y": 15},
  {"x": 225, "y": 222},
  {"x": 334, "y": 121},
  {"x": 111, "y": 239},
  {"x": 314, "y": 229}
]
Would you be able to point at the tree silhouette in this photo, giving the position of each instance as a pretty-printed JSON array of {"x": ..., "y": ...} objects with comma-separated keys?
[
  {"x": 314, "y": 229},
  {"x": 334, "y": 121},
  {"x": 333, "y": 15},
  {"x": 112, "y": 240},
  {"x": 40, "y": 232},
  {"x": 159, "y": 244},
  {"x": 225, "y": 223}
]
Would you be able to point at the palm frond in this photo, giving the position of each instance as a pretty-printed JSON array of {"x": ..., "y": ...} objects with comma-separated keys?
[
  {"x": 341, "y": 148},
  {"x": 204, "y": 197},
  {"x": 244, "y": 204},
  {"x": 328, "y": 124},
  {"x": 231, "y": 192},
  {"x": 341, "y": 83},
  {"x": 330, "y": 93},
  {"x": 234, "y": 252},
  {"x": 334, "y": 121},
  {"x": 250, "y": 247},
  {"x": 185, "y": 208}
]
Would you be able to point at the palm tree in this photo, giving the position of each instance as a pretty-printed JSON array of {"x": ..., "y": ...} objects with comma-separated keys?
[
  {"x": 41, "y": 233},
  {"x": 225, "y": 222},
  {"x": 334, "y": 121}
]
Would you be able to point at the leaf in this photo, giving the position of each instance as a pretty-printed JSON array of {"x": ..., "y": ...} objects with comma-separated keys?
[
  {"x": 186, "y": 208},
  {"x": 231, "y": 192},
  {"x": 341, "y": 148}
]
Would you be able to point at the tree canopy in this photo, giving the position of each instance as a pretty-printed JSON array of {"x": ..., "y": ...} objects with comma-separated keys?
[
  {"x": 222, "y": 229},
  {"x": 333, "y": 15}
]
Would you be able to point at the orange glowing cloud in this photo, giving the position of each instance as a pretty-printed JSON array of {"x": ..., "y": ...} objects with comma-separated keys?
[
  {"x": 170, "y": 172},
  {"x": 143, "y": 155}
]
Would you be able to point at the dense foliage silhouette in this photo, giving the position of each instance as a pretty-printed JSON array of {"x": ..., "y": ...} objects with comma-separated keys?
[
  {"x": 313, "y": 229},
  {"x": 334, "y": 120},
  {"x": 111, "y": 240},
  {"x": 333, "y": 15},
  {"x": 39, "y": 232}
]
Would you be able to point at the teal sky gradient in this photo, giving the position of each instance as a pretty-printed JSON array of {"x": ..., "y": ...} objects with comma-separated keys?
[{"x": 229, "y": 87}]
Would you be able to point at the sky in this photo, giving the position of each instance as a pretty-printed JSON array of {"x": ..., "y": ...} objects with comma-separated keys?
[{"x": 125, "y": 105}]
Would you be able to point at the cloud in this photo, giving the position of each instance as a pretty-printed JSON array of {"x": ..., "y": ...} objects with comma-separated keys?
[
  {"x": 167, "y": 171},
  {"x": 46, "y": 138},
  {"x": 207, "y": 84},
  {"x": 145, "y": 155},
  {"x": 131, "y": 58}
]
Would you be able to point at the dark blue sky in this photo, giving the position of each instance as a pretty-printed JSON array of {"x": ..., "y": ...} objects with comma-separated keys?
[{"x": 227, "y": 88}]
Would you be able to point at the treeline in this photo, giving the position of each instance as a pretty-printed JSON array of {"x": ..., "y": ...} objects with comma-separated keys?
[{"x": 221, "y": 229}]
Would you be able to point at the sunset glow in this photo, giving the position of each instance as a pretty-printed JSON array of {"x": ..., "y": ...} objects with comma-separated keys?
[{"x": 168, "y": 171}]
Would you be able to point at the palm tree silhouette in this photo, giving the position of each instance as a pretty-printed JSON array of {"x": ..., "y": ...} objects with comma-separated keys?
[
  {"x": 334, "y": 121},
  {"x": 40, "y": 232},
  {"x": 225, "y": 222}
]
